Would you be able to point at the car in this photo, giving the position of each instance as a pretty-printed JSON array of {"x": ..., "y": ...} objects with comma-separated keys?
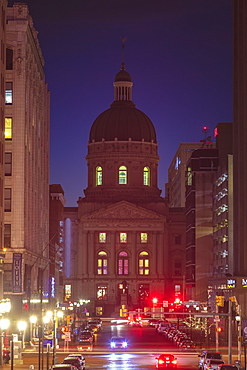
[
  {"x": 166, "y": 361},
  {"x": 187, "y": 344},
  {"x": 85, "y": 338},
  {"x": 136, "y": 323},
  {"x": 208, "y": 355},
  {"x": 162, "y": 327},
  {"x": 80, "y": 356},
  {"x": 75, "y": 361},
  {"x": 63, "y": 367},
  {"x": 152, "y": 322},
  {"x": 227, "y": 367},
  {"x": 212, "y": 364},
  {"x": 118, "y": 342}
]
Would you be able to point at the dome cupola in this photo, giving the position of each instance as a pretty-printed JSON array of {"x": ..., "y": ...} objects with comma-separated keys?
[{"x": 122, "y": 121}]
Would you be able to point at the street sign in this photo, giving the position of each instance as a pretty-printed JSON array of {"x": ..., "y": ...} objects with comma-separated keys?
[{"x": 67, "y": 337}]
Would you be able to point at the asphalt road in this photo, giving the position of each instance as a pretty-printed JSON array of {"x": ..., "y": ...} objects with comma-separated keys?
[{"x": 144, "y": 345}]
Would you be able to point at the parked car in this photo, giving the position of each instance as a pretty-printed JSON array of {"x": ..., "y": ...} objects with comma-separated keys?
[
  {"x": 80, "y": 356},
  {"x": 63, "y": 367},
  {"x": 166, "y": 361},
  {"x": 163, "y": 326},
  {"x": 118, "y": 342},
  {"x": 208, "y": 355},
  {"x": 187, "y": 344},
  {"x": 227, "y": 367},
  {"x": 212, "y": 364},
  {"x": 75, "y": 361}
]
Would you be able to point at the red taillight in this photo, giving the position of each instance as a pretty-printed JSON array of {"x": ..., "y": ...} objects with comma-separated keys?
[
  {"x": 174, "y": 362},
  {"x": 161, "y": 361}
]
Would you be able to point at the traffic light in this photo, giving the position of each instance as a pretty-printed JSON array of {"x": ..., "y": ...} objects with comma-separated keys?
[
  {"x": 63, "y": 329},
  {"x": 219, "y": 300},
  {"x": 219, "y": 329}
]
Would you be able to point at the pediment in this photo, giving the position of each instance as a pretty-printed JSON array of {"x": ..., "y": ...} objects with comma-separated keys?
[{"x": 124, "y": 211}]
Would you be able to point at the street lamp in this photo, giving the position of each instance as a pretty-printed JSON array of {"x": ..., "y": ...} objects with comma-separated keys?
[
  {"x": 22, "y": 325},
  {"x": 33, "y": 320}
]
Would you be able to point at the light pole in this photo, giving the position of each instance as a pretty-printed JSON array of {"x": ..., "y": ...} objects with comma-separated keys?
[
  {"x": 22, "y": 325},
  {"x": 33, "y": 320}
]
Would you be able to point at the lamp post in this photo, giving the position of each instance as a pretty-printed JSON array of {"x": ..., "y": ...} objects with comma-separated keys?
[
  {"x": 22, "y": 325},
  {"x": 33, "y": 320}
]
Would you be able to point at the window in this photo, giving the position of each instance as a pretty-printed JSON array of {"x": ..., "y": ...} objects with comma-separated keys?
[
  {"x": 122, "y": 175},
  {"x": 189, "y": 176},
  {"x": 177, "y": 239},
  {"x": 8, "y": 93},
  {"x": 102, "y": 263},
  {"x": 7, "y": 200},
  {"x": 67, "y": 292},
  {"x": 9, "y": 59},
  {"x": 144, "y": 237},
  {"x": 146, "y": 176},
  {"x": 177, "y": 268},
  {"x": 7, "y": 236},
  {"x": 8, "y": 164},
  {"x": 143, "y": 263},
  {"x": 8, "y": 128},
  {"x": 102, "y": 237},
  {"x": 102, "y": 291},
  {"x": 98, "y": 176},
  {"x": 123, "y": 237},
  {"x": 123, "y": 263}
]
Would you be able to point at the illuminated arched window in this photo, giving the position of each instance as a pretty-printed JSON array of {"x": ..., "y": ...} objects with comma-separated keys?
[
  {"x": 123, "y": 263},
  {"x": 143, "y": 263},
  {"x": 122, "y": 175},
  {"x": 102, "y": 263},
  {"x": 98, "y": 176},
  {"x": 146, "y": 176}
]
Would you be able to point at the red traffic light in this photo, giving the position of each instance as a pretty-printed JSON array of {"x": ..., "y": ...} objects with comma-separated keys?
[
  {"x": 219, "y": 329},
  {"x": 63, "y": 329}
]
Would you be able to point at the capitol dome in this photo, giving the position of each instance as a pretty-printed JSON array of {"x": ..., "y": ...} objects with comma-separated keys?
[{"x": 122, "y": 121}]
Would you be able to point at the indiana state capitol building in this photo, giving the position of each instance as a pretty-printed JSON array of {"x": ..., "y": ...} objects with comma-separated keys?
[{"x": 124, "y": 245}]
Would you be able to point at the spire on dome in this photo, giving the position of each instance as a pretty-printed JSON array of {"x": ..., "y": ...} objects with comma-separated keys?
[
  {"x": 123, "y": 42},
  {"x": 123, "y": 84}
]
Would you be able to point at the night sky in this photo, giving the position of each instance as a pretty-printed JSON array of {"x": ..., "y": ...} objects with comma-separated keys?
[{"x": 178, "y": 53}]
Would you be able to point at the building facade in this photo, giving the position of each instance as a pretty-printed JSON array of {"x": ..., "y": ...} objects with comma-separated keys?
[
  {"x": 3, "y": 8},
  {"x": 177, "y": 172},
  {"x": 201, "y": 169},
  {"x": 123, "y": 245},
  {"x": 26, "y": 193}
]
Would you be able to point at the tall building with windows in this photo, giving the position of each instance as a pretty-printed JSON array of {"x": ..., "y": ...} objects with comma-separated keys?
[
  {"x": 3, "y": 7},
  {"x": 123, "y": 243},
  {"x": 175, "y": 187},
  {"x": 26, "y": 193}
]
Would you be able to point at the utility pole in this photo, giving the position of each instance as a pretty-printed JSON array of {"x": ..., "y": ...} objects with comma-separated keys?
[{"x": 229, "y": 332}]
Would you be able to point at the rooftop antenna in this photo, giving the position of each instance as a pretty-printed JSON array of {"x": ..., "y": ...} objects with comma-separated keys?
[{"x": 123, "y": 42}]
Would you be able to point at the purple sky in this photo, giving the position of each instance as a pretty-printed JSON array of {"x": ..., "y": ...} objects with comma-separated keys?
[{"x": 178, "y": 53}]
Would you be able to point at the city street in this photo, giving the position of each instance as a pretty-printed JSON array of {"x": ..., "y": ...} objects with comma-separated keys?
[{"x": 144, "y": 344}]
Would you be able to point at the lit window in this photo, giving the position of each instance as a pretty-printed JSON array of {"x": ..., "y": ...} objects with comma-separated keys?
[
  {"x": 123, "y": 263},
  {"x": 144, "y": 237},
  {"x": 146, "y": 176},
  {"x": 122, "y": 175},
  {"x": 8, "y": 164},
  {"x": 102, "y": 237},
  {"x": 8, "y": 93},
  {"x": 102, "y": 263},
  {"x": 8, "y": 128},
  {"x": 189, "y": 176},
  {"x": 102, "y": 291},
  {"x": 143, "y": 263},
  {"x": 67, "y": 291},
  {"x": 98, "y": 176},
  {"x": 123, "y": 237}
]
